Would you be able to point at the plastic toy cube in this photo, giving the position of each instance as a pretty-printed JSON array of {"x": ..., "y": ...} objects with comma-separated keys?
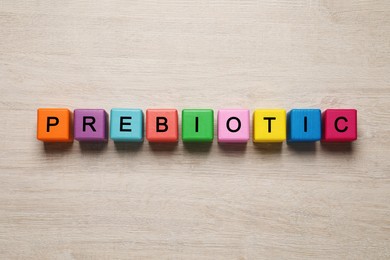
[
  {"x": 54, "y": 125},
  {"x": 162, "y": 125},
  {"x": 197, "y": 125},
  {"x": 90, "y": 125},
  {"x": 269, "y": 125},
  {"x": 233, "y": 125},
  {"x": 304, "y": 125},
  {"x": 339, "y": 125},
  {"x": 126, "y": 125}
]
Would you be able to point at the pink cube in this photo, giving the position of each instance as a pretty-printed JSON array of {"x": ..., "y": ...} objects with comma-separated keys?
[
  {"x": 339, "y": 125},
  {"x": 233, "y": 125}
]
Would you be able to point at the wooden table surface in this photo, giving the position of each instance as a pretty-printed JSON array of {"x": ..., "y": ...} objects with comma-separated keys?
[{"x": 194, "y": 202}]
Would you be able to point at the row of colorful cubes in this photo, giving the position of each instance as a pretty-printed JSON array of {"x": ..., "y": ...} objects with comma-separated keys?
[{"x": 233, "y": 125}]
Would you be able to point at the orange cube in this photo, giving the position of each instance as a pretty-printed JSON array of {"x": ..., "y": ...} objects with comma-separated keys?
[
  {"x": 54, "y": 125},
  {"x": 162, "y": 125}
]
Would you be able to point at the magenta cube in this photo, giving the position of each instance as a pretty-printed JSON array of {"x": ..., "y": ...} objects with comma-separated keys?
[
  {"x": 90, "y": 125},
  {"x": 233, "y": 125},
  {"x": 339, "y": 125}
]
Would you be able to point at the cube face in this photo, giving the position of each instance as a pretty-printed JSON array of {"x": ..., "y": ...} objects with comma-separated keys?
[
  {"x": 269, "y": 125},
  {"x": 339, "y": 125},
  {"x": 304, "y": 125},
  {"x": 162, "y": 125},
  {"x": 197, "y": 125},
  {"x": 233, "y": 125},
  {"x": 90, "y": 125},
  {"x": 54, "y": 125},
  {"x": 126, "y": 125}
]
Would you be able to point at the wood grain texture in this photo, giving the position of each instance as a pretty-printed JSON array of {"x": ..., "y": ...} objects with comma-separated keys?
[{"x": 182, "y": 202}]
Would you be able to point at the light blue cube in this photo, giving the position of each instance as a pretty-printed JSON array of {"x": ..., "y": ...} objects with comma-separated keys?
[
  {"x": 126, "y": 125},
  {"x": 304, "y": 125}
]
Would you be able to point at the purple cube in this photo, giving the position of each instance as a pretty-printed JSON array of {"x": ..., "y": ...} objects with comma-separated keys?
[{"x": 90, "y": 125}]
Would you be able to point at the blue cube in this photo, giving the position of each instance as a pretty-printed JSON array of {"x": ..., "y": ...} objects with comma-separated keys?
[
  {"x": 304, "y": 125},
  {"x": 126, "y": 125}
]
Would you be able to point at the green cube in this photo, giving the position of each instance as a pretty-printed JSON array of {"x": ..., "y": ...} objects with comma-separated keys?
[{"x": 197, "y": 125}]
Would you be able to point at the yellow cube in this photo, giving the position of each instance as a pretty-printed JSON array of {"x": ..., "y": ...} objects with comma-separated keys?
[{"x": 269, "y": 125}]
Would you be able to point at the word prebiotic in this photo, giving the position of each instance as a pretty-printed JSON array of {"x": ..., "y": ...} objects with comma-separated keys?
[{"x": 197, "y": 125}]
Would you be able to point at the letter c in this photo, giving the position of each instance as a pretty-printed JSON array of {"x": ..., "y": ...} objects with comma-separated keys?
[{"x": 336, "y": 124}]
